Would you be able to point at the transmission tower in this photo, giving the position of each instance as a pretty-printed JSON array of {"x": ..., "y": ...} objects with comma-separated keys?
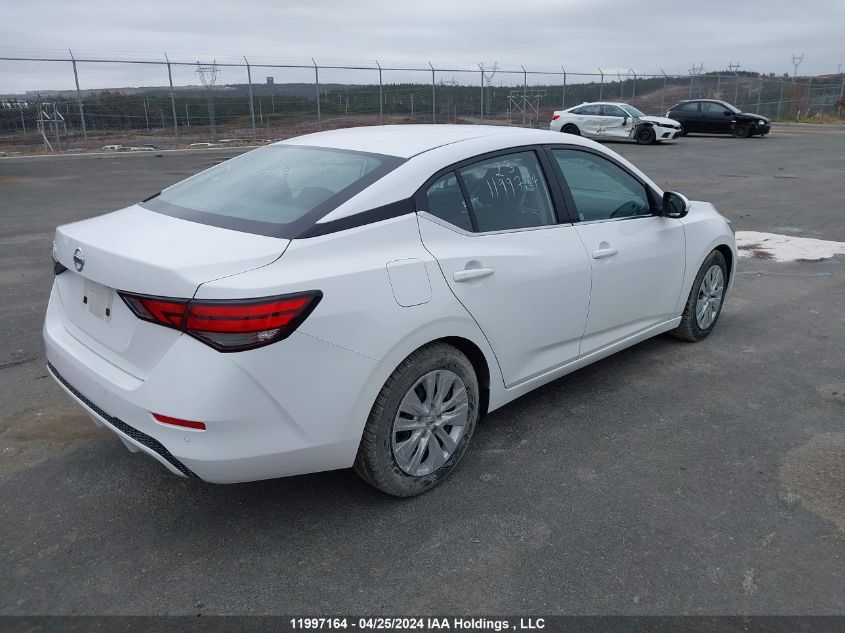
[
  {"x": 734, "y": 67},
  {"x": 796, "y": 62},
  {"x": 208, "y": 77},
  {"x": 487, "y": 75}
]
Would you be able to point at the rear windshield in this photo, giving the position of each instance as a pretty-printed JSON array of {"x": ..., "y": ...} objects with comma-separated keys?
[{"x": 279, "y": 190}]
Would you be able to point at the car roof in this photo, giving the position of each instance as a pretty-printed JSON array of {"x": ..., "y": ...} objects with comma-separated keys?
[
  {"x": 429, "y": 149},
  {"x": 404, "y": 141}
]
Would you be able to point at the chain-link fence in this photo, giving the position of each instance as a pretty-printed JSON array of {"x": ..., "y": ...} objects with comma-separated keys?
[{"x": 74, "y": 104}]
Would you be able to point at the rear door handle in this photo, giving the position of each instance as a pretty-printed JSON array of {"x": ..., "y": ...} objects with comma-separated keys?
[
  {"x": 604, "y": 252},
  {"x": 472, "y": 273}
]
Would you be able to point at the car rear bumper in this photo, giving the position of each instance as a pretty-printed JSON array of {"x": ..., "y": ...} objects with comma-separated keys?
[{"x": 290, "y": 408}]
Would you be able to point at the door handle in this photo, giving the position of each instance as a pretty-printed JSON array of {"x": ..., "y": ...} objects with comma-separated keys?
[
  {"x": 472, "y": 273},
  {"x": 604, "y": 252}
]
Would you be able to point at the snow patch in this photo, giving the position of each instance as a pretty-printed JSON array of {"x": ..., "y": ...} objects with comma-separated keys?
[{"x": 785, "y": 248}]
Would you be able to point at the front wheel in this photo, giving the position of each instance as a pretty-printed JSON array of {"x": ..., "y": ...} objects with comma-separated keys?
[
  {"x": 704, "y": 304},
  {"x": 645, "y": 136},
  {"x": 742, "y": 130},
  {"x": 421, "y": 423}
]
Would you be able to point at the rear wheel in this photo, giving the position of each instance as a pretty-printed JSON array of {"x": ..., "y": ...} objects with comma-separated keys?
[
  {"x": 571, "y": 128},
  {"x": 645, "y": 135},
  {"x": 742, "y": 130},
  {"x": 704, "y": 304},
  {"x": 421, "y": 423}
]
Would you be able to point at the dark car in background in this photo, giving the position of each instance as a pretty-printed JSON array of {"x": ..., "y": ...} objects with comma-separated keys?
[{"x": 711, "y": 116}]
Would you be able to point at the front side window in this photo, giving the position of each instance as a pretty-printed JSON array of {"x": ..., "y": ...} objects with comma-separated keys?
[
  {"x": 689, "y": 107},
  {"x": 711, "y": 107},
  {"x": 446, "y": 201},
  {"x": 278, "y": 190},
  {"x": 601, "y": 189},
  {"x": 508, "y": 192}
]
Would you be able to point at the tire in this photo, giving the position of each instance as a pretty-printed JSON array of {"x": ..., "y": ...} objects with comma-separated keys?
[
  {"x": 571, "y": 128},
  {"x": 742, "y": 130},
  {"x": 683, "y": 130},
  {"x": 691, "y": 328},
  {"x": 386, "y": 455},
  {"x": 645, "y": 136}
]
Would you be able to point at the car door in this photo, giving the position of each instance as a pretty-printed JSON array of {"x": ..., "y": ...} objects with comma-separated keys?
[
  {"x": 690, "y": 116},
  {"x": 714, "y": 118},
  {"x": 638, "y": 257},
  {"x": 519, "y": 271},
  {"x": 616, "y": 122},
  {"x": 590, "y": 120}
]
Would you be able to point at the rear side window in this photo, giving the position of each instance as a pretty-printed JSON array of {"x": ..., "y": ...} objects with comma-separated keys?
[
  {"x": 590, "y": 110},
  {"x": 601, "y": 189},
  {"x": 446, "y": 201},
  {"x": 508, "y": 192},
  {"x": 279, "y": 190}
]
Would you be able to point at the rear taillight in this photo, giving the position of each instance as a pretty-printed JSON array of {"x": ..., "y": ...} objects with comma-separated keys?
[
  {"x": 228, "y": 325},
  {"x": 555, "y": 116}
]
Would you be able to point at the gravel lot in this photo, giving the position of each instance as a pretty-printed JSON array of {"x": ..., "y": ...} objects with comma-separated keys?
[{"x": 668, "y": 479}]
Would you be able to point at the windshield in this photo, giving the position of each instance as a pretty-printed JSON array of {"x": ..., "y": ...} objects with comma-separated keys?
[
  {"x": 634, "y": 112},
  {"x": 279, "y": 190},
  {"x": 733, "y": 109}
]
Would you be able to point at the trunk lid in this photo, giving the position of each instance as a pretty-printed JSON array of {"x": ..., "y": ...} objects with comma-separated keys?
[{"x": 143, "y": 252}]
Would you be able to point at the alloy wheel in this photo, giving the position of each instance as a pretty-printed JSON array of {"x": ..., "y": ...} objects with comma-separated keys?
[{"x": 710, "y": 294}]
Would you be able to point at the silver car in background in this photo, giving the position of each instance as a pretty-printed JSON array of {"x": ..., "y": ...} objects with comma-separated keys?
[{"x": 619, "y": 121}]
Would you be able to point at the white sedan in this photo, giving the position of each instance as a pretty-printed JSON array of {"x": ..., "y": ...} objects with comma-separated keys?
[
  {"x": 618, "y": 121},
  {"x": 364, "y": 296}
]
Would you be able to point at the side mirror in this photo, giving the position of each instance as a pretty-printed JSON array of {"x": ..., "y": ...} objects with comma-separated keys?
[
  {"x": 674, "y": 205},
  {"x": 727, "y": 113},
  {"x": 624, "y": 120}
]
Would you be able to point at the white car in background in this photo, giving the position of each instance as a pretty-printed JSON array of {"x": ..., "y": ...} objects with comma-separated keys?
[
  {"x": 608, "y": 121},
  {"x": 364, "y": 296}
]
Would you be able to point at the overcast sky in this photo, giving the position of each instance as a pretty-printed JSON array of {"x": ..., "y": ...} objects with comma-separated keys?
[{"x": 645, "y": 35}]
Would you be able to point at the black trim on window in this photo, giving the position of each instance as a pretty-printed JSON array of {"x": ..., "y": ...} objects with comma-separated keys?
[
  {"x": 289, "y": 230},
  {"x": 560, "y": 205},
  {"x": 386, "y": 212}
]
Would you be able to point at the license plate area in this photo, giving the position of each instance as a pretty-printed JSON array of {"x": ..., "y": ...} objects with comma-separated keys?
[{"x": 97, "y": 299}]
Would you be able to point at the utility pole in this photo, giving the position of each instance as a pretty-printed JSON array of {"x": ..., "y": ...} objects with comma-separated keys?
[
  {"x": 734, "y": 68},
  {"x": 796, "y": 62},
  {"x": 694, "y": 72}
]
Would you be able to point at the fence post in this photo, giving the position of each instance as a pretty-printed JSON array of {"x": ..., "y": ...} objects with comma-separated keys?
[
  {"x": 663, "y": 94},
  {"x": 841, "y": 96},
  {"x": 79, "y": 100},
  {"x": 601, "y": 85},
  {"x": 433, "y": 110},
  {"x": 173, "y": 101},
  {"x": 563, "y": 95},
  {"x": 251, "y": 105},
  {"x": 780, "y": 101},
  {"x": 524, "y": 94},
  {"x": 690, "y": 84},
  {"x": 759, "y": 92},
  {"x": 380, "y": 97},
  {"x": 481, "y": 68},
  {"x": 736, "y": 91},
  {"x": 634, "y": 89},
  {"x": 317, "y": 85}
]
